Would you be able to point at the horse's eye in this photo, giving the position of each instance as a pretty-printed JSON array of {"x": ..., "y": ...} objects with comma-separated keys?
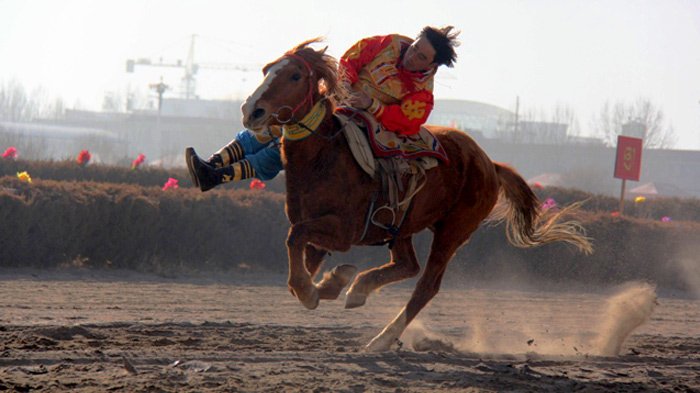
[{"x": 296, "y": 77}]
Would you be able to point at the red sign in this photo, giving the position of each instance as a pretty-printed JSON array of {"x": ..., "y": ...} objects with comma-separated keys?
[{"x": 628, "y": 162}]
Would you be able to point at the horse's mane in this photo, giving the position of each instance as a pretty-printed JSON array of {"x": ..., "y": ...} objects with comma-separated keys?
[{"x": 323, "y": 65}]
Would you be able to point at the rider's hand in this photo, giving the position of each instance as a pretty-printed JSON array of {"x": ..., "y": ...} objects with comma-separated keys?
[{"x": 360, "y": 100}]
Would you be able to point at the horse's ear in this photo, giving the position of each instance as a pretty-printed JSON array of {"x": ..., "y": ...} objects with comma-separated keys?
[
  {"x": 267, "y": 67},
  {"x": 323, "y": 51}
]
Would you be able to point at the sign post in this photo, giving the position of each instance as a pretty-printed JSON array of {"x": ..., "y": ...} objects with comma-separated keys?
[{"x": 628, "y": 162}]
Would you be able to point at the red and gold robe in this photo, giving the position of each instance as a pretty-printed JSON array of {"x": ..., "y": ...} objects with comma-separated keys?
[{"x": 401, "y": 100}]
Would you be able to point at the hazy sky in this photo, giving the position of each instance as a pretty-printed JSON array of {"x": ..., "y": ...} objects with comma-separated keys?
[{"x": 578, "y": 53}]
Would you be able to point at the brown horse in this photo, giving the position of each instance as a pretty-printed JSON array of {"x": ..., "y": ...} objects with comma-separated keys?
[{"x": 329, "y": 195}]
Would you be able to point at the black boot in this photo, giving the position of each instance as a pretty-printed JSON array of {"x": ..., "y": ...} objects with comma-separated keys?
[
  {"x": 203, "y": 175},
  {"x": 216, "y": 161}
]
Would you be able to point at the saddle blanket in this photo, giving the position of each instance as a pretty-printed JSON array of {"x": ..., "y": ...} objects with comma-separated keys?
[{"x": 390, "y": 144}]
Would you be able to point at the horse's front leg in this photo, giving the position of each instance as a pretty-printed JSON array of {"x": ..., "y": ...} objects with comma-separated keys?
[
  {"x": 323, "y": 232},
  {"x": 332, "y": 282}
]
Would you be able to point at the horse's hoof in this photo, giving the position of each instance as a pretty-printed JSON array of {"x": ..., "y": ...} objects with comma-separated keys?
[
  {"x": 312, "y": 301},
  {"x": 378, "y": 344},
  {"x": 354, "y": 299}
]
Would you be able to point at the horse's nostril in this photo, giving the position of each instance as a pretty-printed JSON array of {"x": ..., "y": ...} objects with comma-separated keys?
[{"x": 258, "y": 113}]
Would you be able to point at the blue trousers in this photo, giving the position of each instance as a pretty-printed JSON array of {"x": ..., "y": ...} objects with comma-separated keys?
[{"x": 265, "y": 158}]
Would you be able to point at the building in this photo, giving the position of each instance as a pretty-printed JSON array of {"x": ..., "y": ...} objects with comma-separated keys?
[
  {"x": 36, "y": 140},
  {"x": 477, "y": 118}
]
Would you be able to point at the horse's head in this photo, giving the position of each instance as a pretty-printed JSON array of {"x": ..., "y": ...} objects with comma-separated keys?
[{"x": 292, "y": 85}]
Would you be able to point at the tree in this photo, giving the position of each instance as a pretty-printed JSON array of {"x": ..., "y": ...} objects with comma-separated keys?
[
  {"x": 16, "y": 105},
  {"x": 127, "y": 100},
  {"x": 564, "y": 114},
  {"x": 41, "y": 106},
  {"x": 612, "y": 119}
]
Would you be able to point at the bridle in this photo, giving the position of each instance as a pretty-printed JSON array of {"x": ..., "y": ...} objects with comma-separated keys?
[{"x": 307, "y": 98}]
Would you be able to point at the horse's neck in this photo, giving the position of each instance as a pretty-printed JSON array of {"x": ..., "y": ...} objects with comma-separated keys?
[
  {"x": 320, "y": 142},
  {"x": 316, "y": 153}
]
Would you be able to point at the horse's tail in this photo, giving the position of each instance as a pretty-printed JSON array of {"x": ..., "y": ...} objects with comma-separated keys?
[{"x": 527, "y": 224}]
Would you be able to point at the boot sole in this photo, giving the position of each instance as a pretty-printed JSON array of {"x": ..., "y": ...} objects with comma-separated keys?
[{"x": 190, "y": 166}]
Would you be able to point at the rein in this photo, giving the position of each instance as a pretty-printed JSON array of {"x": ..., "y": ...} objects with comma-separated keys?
[
  {"x": 309, "y": 124},
  {"x": 306, "y": 126}
]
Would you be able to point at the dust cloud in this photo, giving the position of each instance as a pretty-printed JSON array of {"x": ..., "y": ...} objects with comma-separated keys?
[
  {"x": 625, "y": 312},
  {"x": 549, "y": 332},
  {"x": 690, "y": 273}
]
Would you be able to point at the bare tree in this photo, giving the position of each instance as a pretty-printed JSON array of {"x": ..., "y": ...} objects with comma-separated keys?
[
  {"x": 565, "y": 114},
  {"x": 41, "y": 106},
  {"x": 14, "y": 102},
  {"x": 129, "y": 99},
  {"x": 16, "y": 105},
  {"x": 612, "y": 119},
  {"x": 57, "y": 110}
]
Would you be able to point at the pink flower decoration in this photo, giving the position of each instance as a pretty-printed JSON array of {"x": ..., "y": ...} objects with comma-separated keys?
[
  {"x": 615, "y": 214},
  {"x": 83, "y": 157},
  {"x": 171, "y": 183},
  {"x": 665, "y": 219},
  {"x": 549, "y": 203},
  {"x": 537, "y": 186},
  {"x": 10, "y": 153},
  {"x": 138, "y": 161},
  {"x": 257, "y": 184}
]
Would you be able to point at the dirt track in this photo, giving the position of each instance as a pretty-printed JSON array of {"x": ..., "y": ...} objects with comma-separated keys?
[{"x": 136, "y": 333}]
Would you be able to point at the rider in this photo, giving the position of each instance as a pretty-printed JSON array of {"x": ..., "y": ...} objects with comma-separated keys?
[
  {"x": 392, "y": 76},
  {"x": 389, "y": 76}
]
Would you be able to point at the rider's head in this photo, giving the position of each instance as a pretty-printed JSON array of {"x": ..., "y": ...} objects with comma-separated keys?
[{"x": 444, "y": 40}]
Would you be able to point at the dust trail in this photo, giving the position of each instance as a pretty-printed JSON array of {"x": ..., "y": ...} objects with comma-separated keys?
[
  {"x": 623, "y": 312},
  {"x": 690, "y": 272},
  {"x": 422, "y": 339},
  {"x": 626, "y": 311},
  {"x": 482, "y": 340}
]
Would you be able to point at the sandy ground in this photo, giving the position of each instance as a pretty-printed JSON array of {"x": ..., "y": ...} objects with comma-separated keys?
[{"x": 122, "y": 332}]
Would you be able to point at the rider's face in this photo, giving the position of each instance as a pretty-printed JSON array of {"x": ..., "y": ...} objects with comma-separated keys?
[{"x": 419, "y": 56}]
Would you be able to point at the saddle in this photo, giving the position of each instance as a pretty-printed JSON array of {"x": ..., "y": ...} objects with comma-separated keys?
[
  {"x": 396, "y": 159},
  {"x": 370, "y": 141}
]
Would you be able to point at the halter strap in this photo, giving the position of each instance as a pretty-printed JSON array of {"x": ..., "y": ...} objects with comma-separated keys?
[{"x": 310, "y": 94}]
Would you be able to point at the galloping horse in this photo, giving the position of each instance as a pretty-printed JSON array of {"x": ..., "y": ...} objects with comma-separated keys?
[{"x": 328, "y": 194}]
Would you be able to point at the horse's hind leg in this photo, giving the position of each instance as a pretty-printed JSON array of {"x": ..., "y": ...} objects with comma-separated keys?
[
  {"x": 445, "y": 244},
  {"x": 403, "y": 264},
  {"x": 334, "y": 281}
]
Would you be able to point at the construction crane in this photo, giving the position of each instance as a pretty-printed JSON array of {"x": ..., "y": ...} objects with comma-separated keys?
[{"x": 190, "y": 67}]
